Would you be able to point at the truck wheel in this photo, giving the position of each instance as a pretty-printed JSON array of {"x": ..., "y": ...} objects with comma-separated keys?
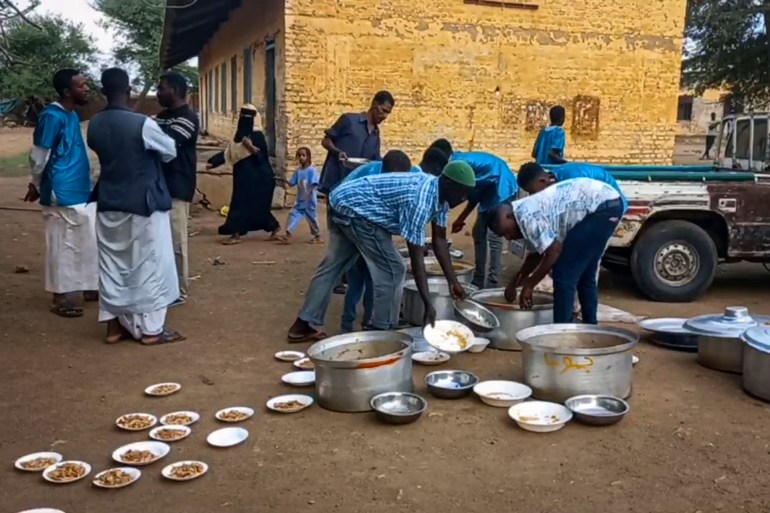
[{"x": 674, "y": 261}]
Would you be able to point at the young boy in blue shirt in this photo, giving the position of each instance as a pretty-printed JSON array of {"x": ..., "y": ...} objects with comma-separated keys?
[{"x": 305, "y": 179}]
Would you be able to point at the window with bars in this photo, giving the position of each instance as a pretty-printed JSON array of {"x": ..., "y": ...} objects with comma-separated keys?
[{"x": 684, "y": 108}]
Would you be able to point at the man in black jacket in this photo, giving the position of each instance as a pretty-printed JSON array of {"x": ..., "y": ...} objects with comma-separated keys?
[{"x": 180, "y": 122}]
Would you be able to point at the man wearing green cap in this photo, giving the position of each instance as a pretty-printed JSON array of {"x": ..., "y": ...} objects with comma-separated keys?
[{"x": 366, "y": 213}]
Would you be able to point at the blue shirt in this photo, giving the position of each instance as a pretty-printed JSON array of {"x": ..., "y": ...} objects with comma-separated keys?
[
  {"x": 306, "y": 182},
  {"x": 372, "y": 168},
  {"x": 547, "y": 216},
  {"x": 572, "y": 170},
  {"x": 495, "y": 182},
  {"x": 350, "y": 134},
  {"x": 66, "y": 179},
  {"x": 550, "y": 138},
  {"x": 401, "y": 203}
]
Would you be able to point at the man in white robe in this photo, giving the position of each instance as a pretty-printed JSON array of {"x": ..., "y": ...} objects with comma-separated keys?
[
  {"x": 61, "y": 180},
  {"x": 137, "y": 271}
]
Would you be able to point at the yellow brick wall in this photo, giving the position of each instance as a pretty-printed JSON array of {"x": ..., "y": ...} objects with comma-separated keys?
[{"x": 444, "y": 60}]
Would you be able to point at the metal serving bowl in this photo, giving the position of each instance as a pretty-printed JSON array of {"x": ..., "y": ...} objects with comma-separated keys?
[
  {"x": 478, "y": 318},
  {"x": 451, "y": 384},
  {"x": 398, "y": 407},
  {"x": 598, "y": 410}
]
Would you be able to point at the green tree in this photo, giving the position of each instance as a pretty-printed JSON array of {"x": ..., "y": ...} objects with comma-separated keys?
[
  {"x": 36, "y": 48},
  {"x": 139, "y": 26},
  {"x": 728, "y": 47}
]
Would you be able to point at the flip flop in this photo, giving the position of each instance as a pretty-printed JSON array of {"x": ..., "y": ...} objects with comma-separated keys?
[
  {"x": 315, "y": 336},
  {"x": 230, "y": 242},
  {"x": 124, "y": 335},
  {"x": 67, "y": 310},
  {"x": 315, "y": 241},
  {"x": 166, "y": 337}
]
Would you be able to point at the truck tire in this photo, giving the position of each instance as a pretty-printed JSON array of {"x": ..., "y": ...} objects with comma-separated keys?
[{"x": 674, "y": 261}]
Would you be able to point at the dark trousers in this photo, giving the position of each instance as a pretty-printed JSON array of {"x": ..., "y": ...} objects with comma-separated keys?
[{"x": 575, "y": 270}]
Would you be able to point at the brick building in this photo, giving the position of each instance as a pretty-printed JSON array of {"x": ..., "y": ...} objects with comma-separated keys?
[{"x": 482, "y": 73}]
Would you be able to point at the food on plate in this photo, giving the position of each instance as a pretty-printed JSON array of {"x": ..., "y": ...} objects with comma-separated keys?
[
  {"x": 305, "y": 364},
  {"x": 178, "y": 419},
  {"x": 187, "y": 470},
  {"x": 166, "y": 389},
  {"x": 134, "y": 456},
  {"x": 67, "y": 472},
  {"x": 553, "y": 419},
  {"x": 528, "y": 419},
  {"x": 500, "y": 395},
  {"x": 233, "y": 416},
  {"x": 37, "y": 463},
  {"x": 169, "y": 435},
  {"x": 114, "y": 477},
  {"x": 288, "y": 405},
  {"x": 458, "y": 337},
  {"x": 135, "y": 422}
]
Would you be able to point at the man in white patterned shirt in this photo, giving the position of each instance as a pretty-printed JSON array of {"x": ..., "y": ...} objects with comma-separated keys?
[{"x": 566, "y": 227}]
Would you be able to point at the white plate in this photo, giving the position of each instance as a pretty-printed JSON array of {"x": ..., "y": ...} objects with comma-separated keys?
[
  {"x": 152, "y": 418},
  {"x": 35, "y": 455},
  {"x": 289, "y": 356},
  {"x": 135, "y": 474},
  {"x": 42, "y": 510},
  {"x": 449, "y": 336},
  {"x": 47, "y": 472},
  {"x": 479, "y": 345},
  {"x": 299, "y": 379},
  {"x": 306, "y": 401},
  {"x": 166, "y": 472},
  {"x": 184, "y": 429},
  {"x": 227, "y": 437},
  {"x": 634, "y": 360},
  {"x": 502, "y": 394},
  {"x": 159, "y": 449},
  {"x": 430, "y": 357},
  {"x": 304, "y": 364},
  {"x": 150, "y": 389},
  {"x": 540, "y": 416},
  {"x": 241, "y": 409},
  {"x": 194, "y": 416}
]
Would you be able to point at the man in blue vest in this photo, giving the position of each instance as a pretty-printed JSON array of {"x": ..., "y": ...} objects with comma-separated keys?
[{"x": 137, "y": 270}]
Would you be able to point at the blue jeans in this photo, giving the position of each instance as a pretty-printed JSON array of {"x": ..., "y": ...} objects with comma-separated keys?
[
  {"x": 575, "y": 270},
  {"x": 359, "y": 286},
  {"x": 349, "y": 240},
  {"x": 484, "y": 239}
]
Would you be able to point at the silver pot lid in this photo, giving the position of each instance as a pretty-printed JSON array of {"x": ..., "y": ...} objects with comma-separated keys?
[
  {"x": 731, "y": 324},
  {"x": 758, "y": 338}
]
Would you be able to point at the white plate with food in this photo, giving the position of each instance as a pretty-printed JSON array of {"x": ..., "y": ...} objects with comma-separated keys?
[
  {"x": 115, "y": 478},
  {"x": 67, "y": 472},
  {"x": 180, "y": 418},
  {"x": 479, "y": 345},
  {"x": 234, "y": 414},
  {"x": 170, "y": 434},
  {"x": 304, "y": 364},
  {"x": 184, "y": 470},
  {"x": 291, "y": 403},
  {"x": 289, "y": 356},
  {"x": 299, "y": 379},
  {"x": 37, "y": 461},
  {"x": 227, "y": 437},
  {"x": 540, "y": 416},
  {"x": 502, "y": 394},
  {"x": 430, "y": 358},
  {"x": 354, "y": 162},
  {"x": 163, "y": 389},
  {"x": 141, "y": 453},
  {"x": 136, "y": 421},
  {"x": 449, "y": 336}
]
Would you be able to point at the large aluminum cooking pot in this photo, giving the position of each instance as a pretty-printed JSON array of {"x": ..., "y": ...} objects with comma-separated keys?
[
  {"x": 719, "y": 343},
  {"x": 438, "y": 289},
  {"x": 512, "y": 318},
  {"x": 463, "y": 270},
  {"x": 564, "y": 360},
  {"x": 756, "y": 362},
  {"x": 350, "y": 369}
]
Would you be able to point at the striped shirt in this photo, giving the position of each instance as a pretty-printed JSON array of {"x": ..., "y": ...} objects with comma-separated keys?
[
  {"x": 401, "y": 203},
  {"x": 182, "y": 125}
]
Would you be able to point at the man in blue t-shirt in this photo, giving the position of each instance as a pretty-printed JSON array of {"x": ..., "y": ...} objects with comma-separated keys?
[{"x": 61, "y": 180}]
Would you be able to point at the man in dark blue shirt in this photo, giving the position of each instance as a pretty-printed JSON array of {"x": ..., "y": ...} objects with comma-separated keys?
[{"x": 353, "y": 135}]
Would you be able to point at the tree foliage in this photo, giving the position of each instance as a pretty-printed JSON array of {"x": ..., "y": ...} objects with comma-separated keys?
[
  {"x": 729, "y": 47},
  {"x": 36, "y": 48}
]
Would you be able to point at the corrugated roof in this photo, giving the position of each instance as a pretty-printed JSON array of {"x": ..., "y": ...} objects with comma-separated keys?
[{"x": 188, "y": 26}]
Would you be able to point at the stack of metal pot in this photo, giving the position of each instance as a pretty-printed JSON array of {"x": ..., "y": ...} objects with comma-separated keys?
[{"x": 736, "y": 342}]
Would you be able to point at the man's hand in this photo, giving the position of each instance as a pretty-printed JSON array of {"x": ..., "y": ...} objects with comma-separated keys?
[
  {"x": 458, "y": 225},
  {"x": 510, "y": 291},
  {"x": 429, "y": 319},
  {"x": 457, "y": 290},
  {"x": 525, "y": 298},
  {"x": 32, "y": 194},
  {"x": 342, "y": 156}
]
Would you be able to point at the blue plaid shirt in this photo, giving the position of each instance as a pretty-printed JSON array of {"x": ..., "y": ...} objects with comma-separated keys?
[
  {"x": 401, "y": 203},
  {"x": 547, "y": 216}
]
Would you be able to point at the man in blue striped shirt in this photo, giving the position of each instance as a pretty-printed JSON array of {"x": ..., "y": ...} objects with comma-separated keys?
[{"x": 366, "y": 213}]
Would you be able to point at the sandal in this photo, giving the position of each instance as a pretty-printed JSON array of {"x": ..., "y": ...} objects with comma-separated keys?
[
  {"x": 231, "y": 242},
  {"x": 67, "y": 310},
  {"x": 166, "y": 337},
  {"x": 123, "y": 336},
  {"x": 313, "y": 336}
]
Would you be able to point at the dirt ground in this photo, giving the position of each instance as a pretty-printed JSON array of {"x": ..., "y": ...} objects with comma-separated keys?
[{"x": 694, "y": 442}]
